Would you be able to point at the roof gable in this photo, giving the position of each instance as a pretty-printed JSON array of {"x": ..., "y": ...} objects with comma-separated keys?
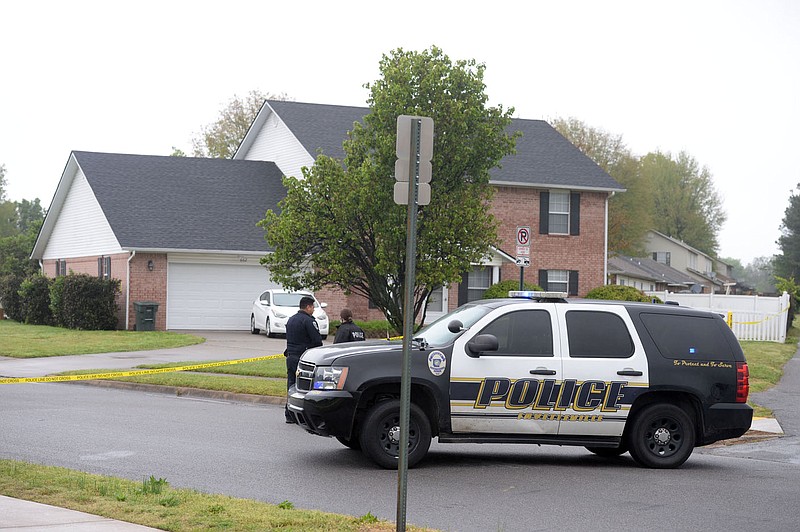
[{"x": 178, "y": 203}]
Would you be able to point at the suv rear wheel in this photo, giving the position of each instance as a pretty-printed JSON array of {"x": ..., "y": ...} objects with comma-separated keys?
[
  {"x": 662, "y": 436},
  {"x": 380, "y": 434}
]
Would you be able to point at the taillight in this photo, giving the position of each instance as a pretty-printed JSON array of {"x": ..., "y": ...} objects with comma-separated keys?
[{"x": 742, "y": 382}]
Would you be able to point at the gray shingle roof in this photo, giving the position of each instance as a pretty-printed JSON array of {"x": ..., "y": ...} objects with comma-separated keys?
[
  {"x": 159, "y": 202},
  {"x": 646, "y": 268},
  {"x": 544, "y": 157}
]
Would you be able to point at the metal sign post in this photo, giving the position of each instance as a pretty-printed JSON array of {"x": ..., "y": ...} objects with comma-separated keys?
[
  {"x": 414, "y": 151},
  {"x": 523, "y": 252}
]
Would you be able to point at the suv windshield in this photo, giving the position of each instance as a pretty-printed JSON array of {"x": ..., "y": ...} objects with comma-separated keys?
[
  {"x": 289, "y": 300},
  {"x": 437, "y": 333}
]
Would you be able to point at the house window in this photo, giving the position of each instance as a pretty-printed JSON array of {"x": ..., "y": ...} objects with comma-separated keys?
[
  {"x": 479, "y": 280},
  {"x": 61, "y": 267},
  {"x": 693, "y": 261},
  {"x": 662, "y": 256},
  {"x": 559, "y": 281},
  {"x": 104, "y": 267},
  {"x": 435, "y": 300},
  {"x": 559, "y": 213}
]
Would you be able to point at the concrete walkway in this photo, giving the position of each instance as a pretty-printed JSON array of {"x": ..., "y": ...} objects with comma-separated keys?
[{"x": 219, "y": 345}]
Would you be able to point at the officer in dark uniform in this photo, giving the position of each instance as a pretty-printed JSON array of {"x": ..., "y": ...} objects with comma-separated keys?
[
  {"x": 302, "y": 332},
  {"x": 348, "y": 331}
]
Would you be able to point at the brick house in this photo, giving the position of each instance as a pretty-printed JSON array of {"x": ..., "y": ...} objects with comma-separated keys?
[
  {"x": 181, "y": 231},
  {"x": 548, "y": 185}
]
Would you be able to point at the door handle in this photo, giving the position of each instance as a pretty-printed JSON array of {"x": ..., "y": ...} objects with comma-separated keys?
[
  {"x": 543, "y": 371},
  {"x": 628, "y": 372}
]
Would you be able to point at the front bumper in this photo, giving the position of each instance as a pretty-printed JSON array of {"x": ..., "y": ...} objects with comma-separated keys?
[
  {"x": 279, "y": 326},
  {"x": 325, "y": 413}
]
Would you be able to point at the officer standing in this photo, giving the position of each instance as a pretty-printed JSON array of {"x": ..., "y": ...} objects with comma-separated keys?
[
  {"x": 348, "y": 331},
  {"x": 302, "y": 332}
]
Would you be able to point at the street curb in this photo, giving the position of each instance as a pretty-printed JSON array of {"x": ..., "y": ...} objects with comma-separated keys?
[{"x": 183, "y": 391}]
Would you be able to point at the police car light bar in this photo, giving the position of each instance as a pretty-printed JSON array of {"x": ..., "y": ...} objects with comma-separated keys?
[{"x": 537, "y": 294}]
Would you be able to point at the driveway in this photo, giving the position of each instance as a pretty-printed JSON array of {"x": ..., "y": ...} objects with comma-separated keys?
[{"x": 219, "y": 345}]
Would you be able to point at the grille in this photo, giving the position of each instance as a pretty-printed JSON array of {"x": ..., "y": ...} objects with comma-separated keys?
[{"x": 305, "y": 376}]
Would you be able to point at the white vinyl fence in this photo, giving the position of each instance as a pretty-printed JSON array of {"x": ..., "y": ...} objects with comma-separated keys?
[{"x": 758, "y": 318}]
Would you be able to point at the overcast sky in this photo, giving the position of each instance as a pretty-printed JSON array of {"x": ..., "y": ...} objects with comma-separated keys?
[{"x": 717, "y": 79}]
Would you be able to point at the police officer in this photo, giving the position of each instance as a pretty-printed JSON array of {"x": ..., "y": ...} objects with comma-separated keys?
[
  {"x": 302, "y": 332},
  {"x": 348, "y": 331}
]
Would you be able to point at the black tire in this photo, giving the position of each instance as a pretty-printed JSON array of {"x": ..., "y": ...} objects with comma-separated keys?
[
  {"x": 352, "y": 443},
  {"x": 661, "y": 437},
  {"x": 267, "y": 328},
  {"x": 253, "y": 328},
  {"x": 379, "y": 434},
  {"x": 608, "y": 452}
]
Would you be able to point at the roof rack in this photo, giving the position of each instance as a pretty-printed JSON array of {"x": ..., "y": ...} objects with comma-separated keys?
[{"x": 538, "y": 295}]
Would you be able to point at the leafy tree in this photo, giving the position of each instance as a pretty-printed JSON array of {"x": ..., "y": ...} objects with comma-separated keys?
[
  {"x": 221, "y": 138},
  {"x": 29, "y": 214},
  {"x": 8, "y": 212},
  {"x": 344, "y": 216},
  {"x": 787, "y": 263},
  {"x": 15, "y": 267},
  {"x": 756, "y": 275},
  {"x": 630, "y": 214},
  {"x": 686, "y": 204}
]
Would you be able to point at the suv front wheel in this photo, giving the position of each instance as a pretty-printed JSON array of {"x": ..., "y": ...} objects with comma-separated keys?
[
  {"x": 380, "y": 434},
  {"x": 662, "y": 436}
]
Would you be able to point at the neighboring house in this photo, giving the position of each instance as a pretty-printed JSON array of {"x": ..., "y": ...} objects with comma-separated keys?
[
  {"x": 712, "y": 275},
  {"x": 181, "y": 231},
  {"x": 648, "y": 275},
  {"x": 548, "y": 185}
]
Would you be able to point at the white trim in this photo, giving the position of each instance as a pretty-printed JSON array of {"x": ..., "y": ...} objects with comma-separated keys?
[{"x": 548, "y": 186}]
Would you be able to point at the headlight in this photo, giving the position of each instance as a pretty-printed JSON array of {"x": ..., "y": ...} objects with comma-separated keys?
[
  {"x": 329, "y": 378},
  {"x": 279, "y": 314}
]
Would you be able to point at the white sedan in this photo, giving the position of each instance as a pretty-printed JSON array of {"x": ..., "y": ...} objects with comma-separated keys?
[{"x": 274, "y": 307}]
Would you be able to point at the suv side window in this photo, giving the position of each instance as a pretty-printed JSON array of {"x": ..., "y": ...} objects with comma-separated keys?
[
  {"x": 687, "y": 337},
  {"x": 595, "y": 334},
  {"x": 523, "y": 333}
]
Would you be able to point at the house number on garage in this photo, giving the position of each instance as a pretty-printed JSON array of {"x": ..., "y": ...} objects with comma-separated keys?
[{"x": 242, "y": 259}]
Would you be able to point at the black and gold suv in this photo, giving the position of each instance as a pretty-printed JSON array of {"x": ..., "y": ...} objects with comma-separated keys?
[{"x": 652, "y": 380}]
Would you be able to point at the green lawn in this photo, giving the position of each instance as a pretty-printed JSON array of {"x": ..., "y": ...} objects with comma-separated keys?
[
  {"x": 153, "y": 502},
  {"x": 31, "y": 341}
]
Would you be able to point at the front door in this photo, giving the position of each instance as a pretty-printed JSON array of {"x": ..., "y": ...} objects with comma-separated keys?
[{"x": 511, "y": 390}]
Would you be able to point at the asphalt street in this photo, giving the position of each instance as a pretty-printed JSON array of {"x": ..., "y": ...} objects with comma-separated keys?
[{"x": 460, "y": 487}]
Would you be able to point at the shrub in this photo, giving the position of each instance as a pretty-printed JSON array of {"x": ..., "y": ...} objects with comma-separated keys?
[
  {"x": 501, "y": 289},
  {"x": 9, "y": 297},
  {"x": 34, "y": 297},
  {"x": 617, "y": 292},
  {"x": 372, "y": 329},
  {"x": 80, "y": 301}
]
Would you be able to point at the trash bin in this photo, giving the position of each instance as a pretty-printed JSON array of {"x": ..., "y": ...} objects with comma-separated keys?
[{"x": 145, "y": 315}]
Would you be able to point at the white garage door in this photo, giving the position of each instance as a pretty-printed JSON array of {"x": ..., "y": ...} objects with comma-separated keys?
[{"x": 213, "y": 296}]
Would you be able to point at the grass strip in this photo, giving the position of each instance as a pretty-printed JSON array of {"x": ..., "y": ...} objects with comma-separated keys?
[
  {"x": 153, "y": 502},
  {"x": 32, "y": 341}
]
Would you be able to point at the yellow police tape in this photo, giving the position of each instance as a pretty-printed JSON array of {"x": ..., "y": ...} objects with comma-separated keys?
[{"x": 135, "y": 373}]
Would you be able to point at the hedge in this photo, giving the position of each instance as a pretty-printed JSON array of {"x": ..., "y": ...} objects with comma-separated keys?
[{"x": 81, "y": 301}]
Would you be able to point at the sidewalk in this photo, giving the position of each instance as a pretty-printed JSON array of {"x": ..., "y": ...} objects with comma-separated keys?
[{"x": 26, "y": 516}]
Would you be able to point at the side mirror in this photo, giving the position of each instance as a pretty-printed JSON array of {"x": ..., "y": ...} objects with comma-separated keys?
[
  {"x": 481, "y": 344},
  {"x": 323, "y": 305},
  {"x": 455, "y": 326}
]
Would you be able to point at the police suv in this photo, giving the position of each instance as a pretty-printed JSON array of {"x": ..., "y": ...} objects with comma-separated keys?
[{"x": 654, "y": 380}]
